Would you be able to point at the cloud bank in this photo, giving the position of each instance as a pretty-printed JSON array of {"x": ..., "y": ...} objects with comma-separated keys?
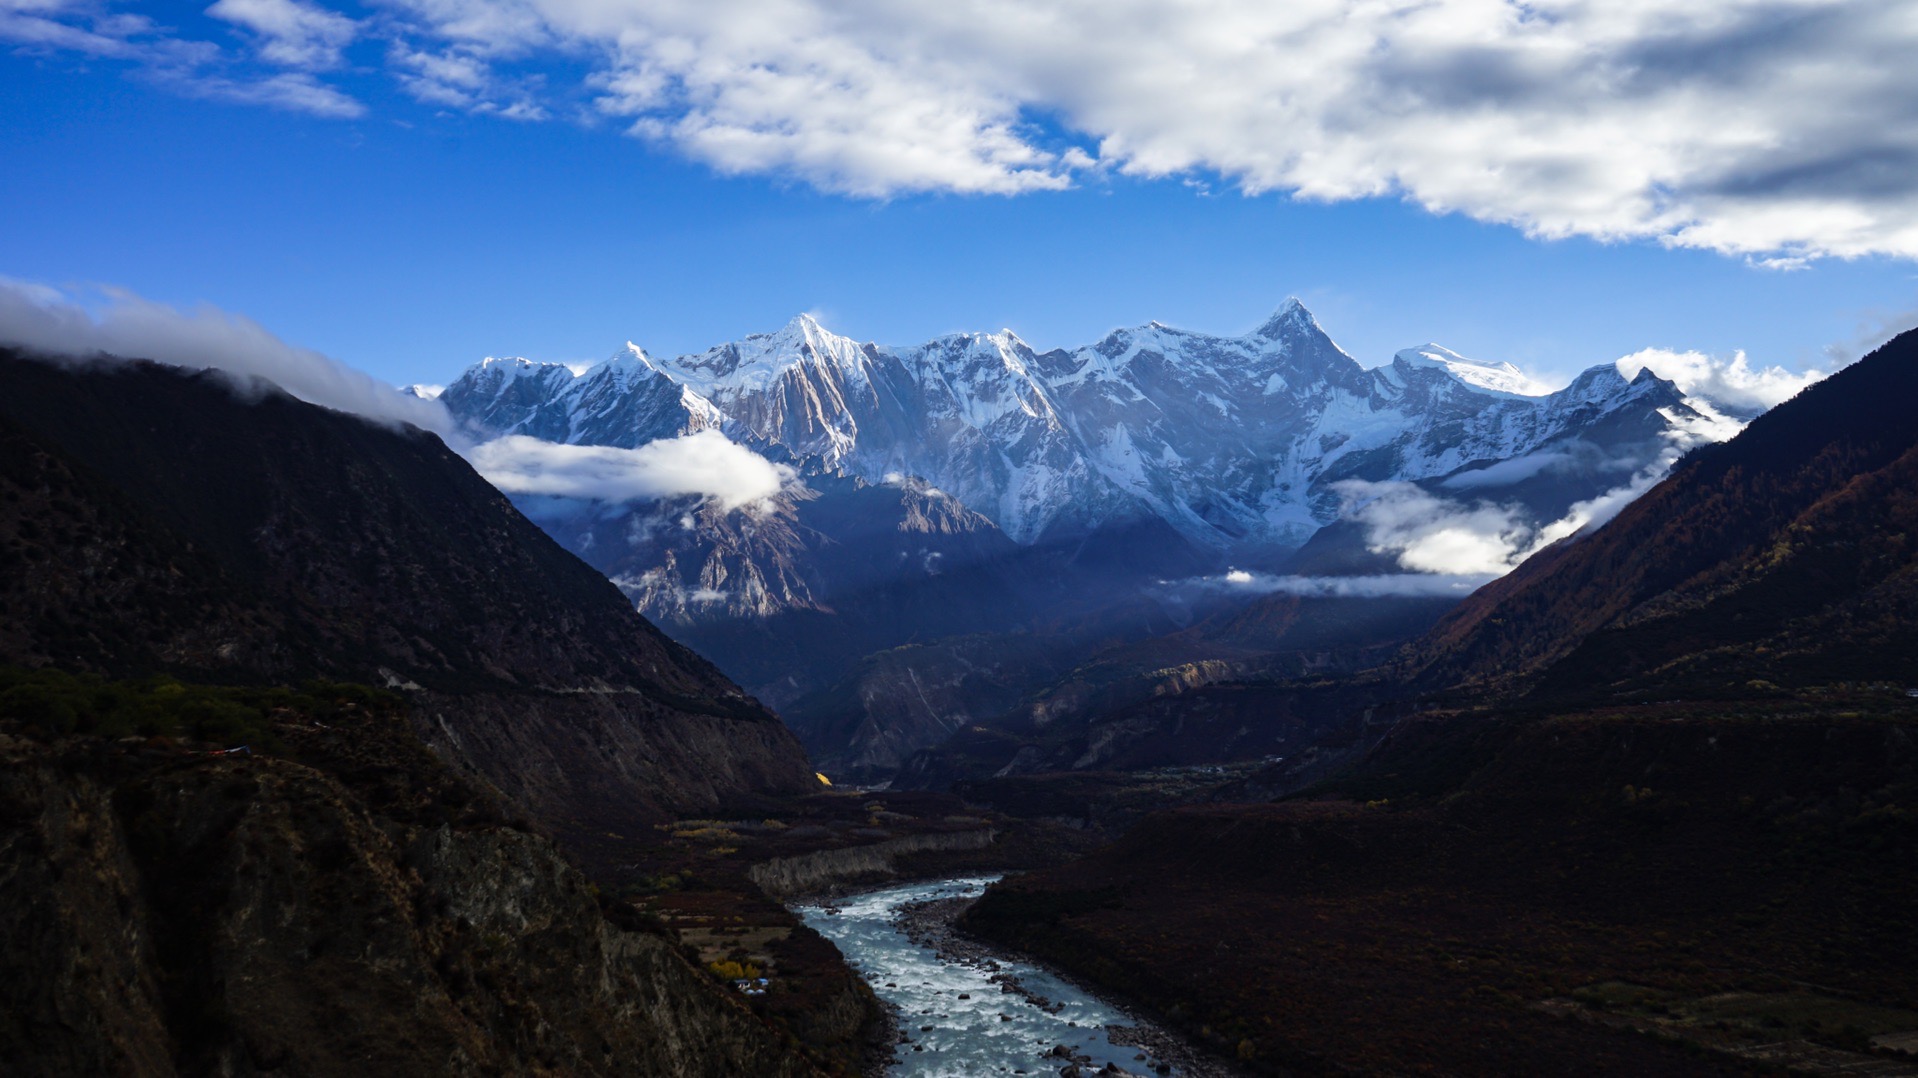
[
  {"x": 1430, "y": 533},
  {"x": 1730, "y": 384},
  {"x": 1782, "y": 130},
  {"x": 42, "y": 319},
  {"x": 706, "y": 463}
]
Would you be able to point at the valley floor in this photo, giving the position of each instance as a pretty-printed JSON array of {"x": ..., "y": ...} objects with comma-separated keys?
[{"x": 1647, "y": 891}]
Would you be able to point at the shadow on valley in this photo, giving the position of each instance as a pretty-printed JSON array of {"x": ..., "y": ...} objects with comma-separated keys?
[{"x": 1649, "y": 804}]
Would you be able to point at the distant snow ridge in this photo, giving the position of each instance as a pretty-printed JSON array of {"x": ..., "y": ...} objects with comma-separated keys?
[
  {"x": 1230, "y": 440},
  {"x": 1498, "y": 377}
]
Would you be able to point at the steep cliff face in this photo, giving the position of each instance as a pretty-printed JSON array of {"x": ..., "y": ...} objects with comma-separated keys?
[
  {"x": 169, "y": 912},
  {"x": 175, "y": 523}
]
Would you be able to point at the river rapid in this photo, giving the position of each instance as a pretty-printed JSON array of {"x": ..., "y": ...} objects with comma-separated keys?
[{"x": 965, "y": 1012}]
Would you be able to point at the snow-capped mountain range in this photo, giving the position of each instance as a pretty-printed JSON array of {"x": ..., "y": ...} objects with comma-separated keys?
[{"x": 1235, "y": 442}]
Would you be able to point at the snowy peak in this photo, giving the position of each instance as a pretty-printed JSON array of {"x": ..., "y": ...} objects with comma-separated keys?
[
  {"x": 1291, "y": 318},
  {"x": 1229, "y": 440},
  {"x": 510, "y": 368},
  {"x": 761, "y": 359},
  {"x": 1482, "y": 374}
]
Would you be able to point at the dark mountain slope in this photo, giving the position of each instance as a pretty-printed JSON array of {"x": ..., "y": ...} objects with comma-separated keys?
[
  {"x": 1734, "y": 879},
  {"x": 345, "y": 905},
  {"x": 1533, "y": 884},
  {"x": 1785, "y": 556},
  {"x": 159, "y": 522}
]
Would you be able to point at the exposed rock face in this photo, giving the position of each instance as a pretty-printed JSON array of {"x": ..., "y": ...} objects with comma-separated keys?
[
  {"x": 173, "y": 914},
  {"x": 174, "y": 525}
]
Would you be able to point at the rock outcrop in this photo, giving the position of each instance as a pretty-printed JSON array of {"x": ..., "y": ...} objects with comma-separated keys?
[
  {"x": 813, "y": 872},
  {"x": 168, "y": 912}
]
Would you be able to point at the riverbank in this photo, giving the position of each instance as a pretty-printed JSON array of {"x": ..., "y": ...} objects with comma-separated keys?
[
  {"x": 962, "y": 1008},
  {"x": 934, "y": 925}
]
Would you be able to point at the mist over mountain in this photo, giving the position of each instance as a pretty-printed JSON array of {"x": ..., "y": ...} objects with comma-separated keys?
[
  {"x": 1778, "y": 560},
  {"x": 794, "y": 504},
  {"x": 1234, "y": 442},
  {"x": 1636, "y": 807}
]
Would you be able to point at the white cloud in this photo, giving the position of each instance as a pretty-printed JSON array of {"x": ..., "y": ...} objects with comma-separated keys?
[
  {"x": 706, "y": 463},
  {"x": 1505, "y": 473},
  {"x": 1731, "y": 384},
  {"x": 41, "y": 319},
  {"x": 1779, "y": 130},
  {"x": 1428, "y": 533},
  {"x": 1405, "y": 585},
  {"x": 291, "y": 33},
  {"x": 461, "y": 78},
  {"x": 295, "y": 91},
  {"x": 1784, "y": 129}
]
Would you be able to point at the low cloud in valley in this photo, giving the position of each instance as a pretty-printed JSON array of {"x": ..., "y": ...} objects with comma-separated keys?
[
  {"x": 705, "y": 463},
  {"x": 1383, "y": 585}
]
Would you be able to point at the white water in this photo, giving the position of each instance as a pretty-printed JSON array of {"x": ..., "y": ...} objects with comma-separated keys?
[{"x": 968, "y": 1037}]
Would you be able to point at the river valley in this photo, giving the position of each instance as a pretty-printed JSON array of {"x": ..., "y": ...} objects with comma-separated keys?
[{"x": 963, "y": 1011}]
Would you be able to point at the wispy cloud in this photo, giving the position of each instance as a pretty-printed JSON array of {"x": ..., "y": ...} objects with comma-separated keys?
[
  {"x": 293, "y": 40},
  {"x": 1401, "y": 585},
  {"x": 706, "y": 464},
  {"x": 1875, "y": 327},
  {"x": 462, "y": 78},
  {"x": 1428, "y": 532},
  {"x": 291, "y": 33},
  {"x": 47, "y": 321},
  {"x": 293, "y": 91}
]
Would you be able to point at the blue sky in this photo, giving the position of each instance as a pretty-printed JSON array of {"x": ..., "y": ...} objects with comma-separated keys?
[{"x": 310, "y": 175}]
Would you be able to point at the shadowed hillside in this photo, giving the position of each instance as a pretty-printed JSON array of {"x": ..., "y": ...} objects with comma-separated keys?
[
  {"x": 1663, "y": 825},
  {"x": 1783, "y": 558},
  {"x": 227, "y": 875},
  {"x": 171, "y": 522}
]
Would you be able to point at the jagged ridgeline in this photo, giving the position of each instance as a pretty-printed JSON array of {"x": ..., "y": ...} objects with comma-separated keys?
[
  {"x": 279, "y": 688},
  {"x": 953, "y": 492}
]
